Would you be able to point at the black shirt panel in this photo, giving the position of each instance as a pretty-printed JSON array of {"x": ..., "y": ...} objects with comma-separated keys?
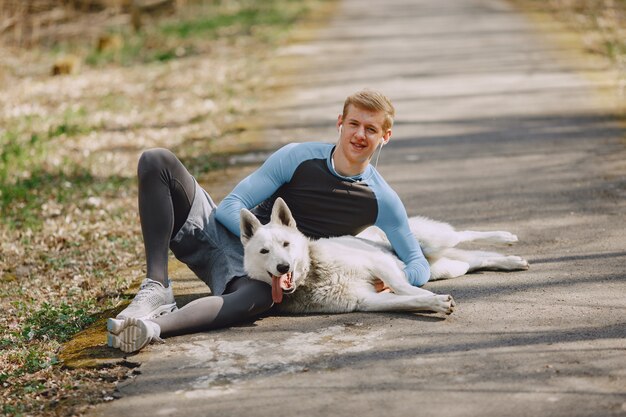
[{"x": 324, "y": 204}]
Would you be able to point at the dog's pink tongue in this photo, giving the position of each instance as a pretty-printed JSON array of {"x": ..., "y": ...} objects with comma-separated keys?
[{"x": 277, "y": 291}]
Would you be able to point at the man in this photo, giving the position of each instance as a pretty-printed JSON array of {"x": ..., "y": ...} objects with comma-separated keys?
[{"x": 332, "y": 190}]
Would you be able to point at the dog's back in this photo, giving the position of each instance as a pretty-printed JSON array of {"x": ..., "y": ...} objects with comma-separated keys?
[{"x": 433, "y": 236}]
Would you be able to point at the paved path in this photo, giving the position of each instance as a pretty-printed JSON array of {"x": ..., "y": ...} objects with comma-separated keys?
[{"x": 494, "y": 131}]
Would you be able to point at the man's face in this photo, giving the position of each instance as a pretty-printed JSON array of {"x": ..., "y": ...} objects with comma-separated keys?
[{"x": 360, "y": 134}]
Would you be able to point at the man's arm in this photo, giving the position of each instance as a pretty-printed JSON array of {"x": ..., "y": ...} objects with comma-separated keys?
[
  {"x": 394, "y": 222},
  {"x": 256, "y": 187}
]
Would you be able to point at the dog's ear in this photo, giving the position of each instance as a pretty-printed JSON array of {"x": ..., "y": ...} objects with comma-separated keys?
[
  {"x": 281, "y": 214},
  {"x": 248, "y": 224}
]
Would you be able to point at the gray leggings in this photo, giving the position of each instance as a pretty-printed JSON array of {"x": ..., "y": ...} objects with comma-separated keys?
[{"x": 166, "y": 193}]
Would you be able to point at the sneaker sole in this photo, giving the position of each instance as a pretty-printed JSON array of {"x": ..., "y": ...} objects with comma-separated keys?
[
  {"x": 159, "y": 311},
  {"x": 115, "y": 326},
  {"x": 131, "y": 336}
]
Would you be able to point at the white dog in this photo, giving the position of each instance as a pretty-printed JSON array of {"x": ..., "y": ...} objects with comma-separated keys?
[{"x": 338, "y": 275}]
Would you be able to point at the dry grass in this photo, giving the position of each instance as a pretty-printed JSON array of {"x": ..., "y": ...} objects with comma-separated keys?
[
  {"x": 599, "y": 24},
  {"x": 70, "y": 242}
]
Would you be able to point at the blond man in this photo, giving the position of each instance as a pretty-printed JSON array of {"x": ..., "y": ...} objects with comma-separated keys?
[{"x": 331, "y": 190}]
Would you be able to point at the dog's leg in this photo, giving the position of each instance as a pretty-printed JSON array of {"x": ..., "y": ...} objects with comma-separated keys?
[
  {"x": 502, "y": 262},
  {"x": 393, "y": 302},
  {"x": 445, "y": 268},
  {"x": 487, "y": 260},
  {"x": 493, "y": 237}
]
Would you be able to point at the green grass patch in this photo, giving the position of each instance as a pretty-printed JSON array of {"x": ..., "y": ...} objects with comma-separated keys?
[
  {"x": 21, "y": 201},
  {"x": 23, "y": 147},
  {"x": 13, "y": 410},
  {"x": 32, "y": 347},
  {"x": 57, "y": 322},
  {"x": 35, "y": 360},
  {"x": 17, "y": 152},
  {"x": 241, "y": 19},
  {"x": 135, "y": 48},
  {"x": 11, "y": 151},
  {"x": 195, "y": 26}
]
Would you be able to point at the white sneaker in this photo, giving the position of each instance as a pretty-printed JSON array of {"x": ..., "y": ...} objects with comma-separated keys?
[
  {"x": 152, "y": 300},
  {"x": 131, "y": 334}
]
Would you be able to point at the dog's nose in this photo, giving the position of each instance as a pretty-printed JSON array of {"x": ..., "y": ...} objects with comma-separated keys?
[{"x": 282, "y": 268}]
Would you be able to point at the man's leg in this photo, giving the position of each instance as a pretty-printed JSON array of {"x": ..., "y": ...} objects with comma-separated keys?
[
  {"x": 166, "y": 193},
  {"x": 246, "y": 299}
]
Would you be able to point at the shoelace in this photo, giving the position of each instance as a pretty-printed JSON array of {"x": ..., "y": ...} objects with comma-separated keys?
[{"x": 145, "y": 290}]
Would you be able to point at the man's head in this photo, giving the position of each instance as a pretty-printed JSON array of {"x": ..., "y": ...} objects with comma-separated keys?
[
  {"x": 364, "y": 125},
  {"x": 372, "y": 101}
]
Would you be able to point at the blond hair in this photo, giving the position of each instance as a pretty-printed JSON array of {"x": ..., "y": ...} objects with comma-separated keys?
[{"x": 372, "y": 101}]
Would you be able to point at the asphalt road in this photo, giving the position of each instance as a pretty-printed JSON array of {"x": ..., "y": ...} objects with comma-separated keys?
[{"x": 497, "y": 128}]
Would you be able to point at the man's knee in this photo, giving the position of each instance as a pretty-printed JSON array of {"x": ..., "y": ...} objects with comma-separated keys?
[
  {"x": 263, "y": 298},
  {"x": 258, "y": 296},
  {"x": 154, "y": 160}
]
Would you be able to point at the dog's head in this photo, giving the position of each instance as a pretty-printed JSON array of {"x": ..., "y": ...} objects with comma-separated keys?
[{"x": 276, "y": 253}]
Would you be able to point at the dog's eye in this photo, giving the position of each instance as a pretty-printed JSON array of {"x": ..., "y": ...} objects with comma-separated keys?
[
  {"x": 264, "y": 251},
  {"x": 285, "y": 244}
]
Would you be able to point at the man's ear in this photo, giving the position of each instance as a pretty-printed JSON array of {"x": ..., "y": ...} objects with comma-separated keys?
[
  {"x": 248, "y": 225},
  {"x": 387, "y": 136},
  {"x": 281, "y": 214},
  {"x": 339, "y": 122}
]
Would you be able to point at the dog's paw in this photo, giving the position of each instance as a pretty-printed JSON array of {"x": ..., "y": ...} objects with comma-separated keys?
[
  {"x": 515, "y": 263},
  {"x": 444, "y": 304},
  {"x": 508, "y": 238}
]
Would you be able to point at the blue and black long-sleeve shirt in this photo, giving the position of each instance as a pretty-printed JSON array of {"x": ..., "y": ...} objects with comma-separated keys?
[{"x": 324, "y": 203}]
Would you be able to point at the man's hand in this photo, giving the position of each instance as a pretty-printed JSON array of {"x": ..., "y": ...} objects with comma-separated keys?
[{"x": 380, "y": 286}]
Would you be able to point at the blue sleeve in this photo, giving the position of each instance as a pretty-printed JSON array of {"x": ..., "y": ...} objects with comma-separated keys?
[
  {"x": 258, "y": 186},
  {"x": 277, "y": 170},
  {"x": 392, "y": 219}
]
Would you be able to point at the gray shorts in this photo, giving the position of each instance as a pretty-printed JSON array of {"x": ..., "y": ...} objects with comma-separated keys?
[{"x": 210, "y": 250}]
